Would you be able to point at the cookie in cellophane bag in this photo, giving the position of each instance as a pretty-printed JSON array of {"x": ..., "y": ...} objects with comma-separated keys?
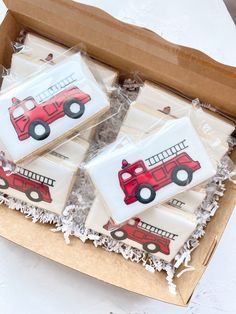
[
  {"x": 160, "y": 231},
  {"x": 148, "y": 172},
  {"x": 46, "y": 108},
  {"x": 45, "y": 182}
]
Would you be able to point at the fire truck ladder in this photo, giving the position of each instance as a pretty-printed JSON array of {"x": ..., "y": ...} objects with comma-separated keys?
[
  {"x": 158, "y": 231},
  {"x": 176, "y": 203},
  {"x": 52, "y": 90},
  {"x": 173, "y": 150},
  {"x": 35, "y": 176},
  {"x": 59, "y": 155}
]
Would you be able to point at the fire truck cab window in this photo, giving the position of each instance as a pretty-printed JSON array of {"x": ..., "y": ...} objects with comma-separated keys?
[
  {"x": 29, "y": 104},
  {"x": 18, "y": 112},
  {"x": 138, "y": 170},
  {"x": 126, "y": 176}
]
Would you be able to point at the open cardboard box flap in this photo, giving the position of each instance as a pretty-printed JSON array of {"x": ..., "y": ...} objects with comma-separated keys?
[
  {"x": 131, "y": 48},
  {"x": 127, "y": 48}
]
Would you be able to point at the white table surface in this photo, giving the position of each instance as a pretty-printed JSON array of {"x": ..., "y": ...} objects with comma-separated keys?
[{"x": 30, "y": 284}]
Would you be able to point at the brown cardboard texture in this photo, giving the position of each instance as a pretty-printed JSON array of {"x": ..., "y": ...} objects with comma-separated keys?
[
  {"x": 127, "y": 48},
  {"x": 131, "y": 48}
]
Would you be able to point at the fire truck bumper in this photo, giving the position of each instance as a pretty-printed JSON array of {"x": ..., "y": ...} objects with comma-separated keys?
[
  {"x": 47, "y": 199},
  {"x": 23, "y": 137},
  {"x": 165, "y": 251},
  {"x": 86, "y": 99},
  {"x": 196, "y": 166},
  {"x": 130, "y": 200}
]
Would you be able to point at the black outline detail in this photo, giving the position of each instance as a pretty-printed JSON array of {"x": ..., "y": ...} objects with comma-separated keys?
[
  {"x": 179, "y": 182},
  {"x": 32, "y": 132},
  {"x": 145, "y": 200},
  {"x": 69, "y": 113}
]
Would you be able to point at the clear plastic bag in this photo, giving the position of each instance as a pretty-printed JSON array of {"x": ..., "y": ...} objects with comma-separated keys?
[
  {"x": 34, "y": 51},
  {"x": 39, "y": 93},
  {"x": 161, "y": 229},
  {"x": 49, "y": 106},
  {"x": 148, "y": 172},
  {"x": 138, "y": 167}
]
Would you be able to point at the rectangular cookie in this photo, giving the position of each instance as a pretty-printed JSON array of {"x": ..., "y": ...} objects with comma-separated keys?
[
  {"x": 142, "y": 120},
  {"x": 49, "y": 107},
  {"x": 33, "y": 57},
  {"x": 161, "y": 231},
  {"x": 71, "y": 153},
  {"x": 46, "y": 182},
  {"x": 187, "y": 201},
  {"x": 39, "y": 47},
  {"x": 144, "y": 174},
  {"x": 157, "y": 98}
]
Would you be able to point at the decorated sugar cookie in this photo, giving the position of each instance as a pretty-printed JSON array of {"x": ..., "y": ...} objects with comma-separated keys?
[
  {"x": 44, "y": 183},
  {"x": 157, "y": 98},
  {"x": 23, "y": 65},
  {"x": 71, "y": 153},
  {"x": 43, "y": 53},
  {"x": 49, "y": 107},
  {"x": 146, "y": 173},
  {"x": 35, "y": 186},
  {"x": 39, "y": 48},
  {"x": 187, "y": 201},
  {"x": 142, "y": 120},
  {"x": 40, "y": 52},
  {"x": 160, "y": 231},
  {"x": 47, "y": 181}
]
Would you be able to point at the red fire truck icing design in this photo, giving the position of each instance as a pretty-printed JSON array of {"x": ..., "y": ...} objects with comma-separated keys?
[
  {"x": 34, "y": 185},
  {"x": 140, "y": 183},
  {"x": 152, "y": 239},
  {"x": 31, "y": 118}
]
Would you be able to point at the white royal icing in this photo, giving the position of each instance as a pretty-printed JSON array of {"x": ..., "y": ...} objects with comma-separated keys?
[
  {"x": 155, "y": 169},
  {"x": 68, "y": 79}
]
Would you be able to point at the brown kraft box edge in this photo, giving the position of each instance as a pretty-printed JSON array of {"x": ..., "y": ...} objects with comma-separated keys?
[
  {"x": 131, "y": 48},
  {"x": 126, "y": 48}
]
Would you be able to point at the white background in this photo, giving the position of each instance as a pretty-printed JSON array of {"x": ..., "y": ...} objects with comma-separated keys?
[{"x": 30, "y": 284}]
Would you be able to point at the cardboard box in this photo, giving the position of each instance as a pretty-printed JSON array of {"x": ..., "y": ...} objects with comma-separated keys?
[{"x": 131, "y": 48}]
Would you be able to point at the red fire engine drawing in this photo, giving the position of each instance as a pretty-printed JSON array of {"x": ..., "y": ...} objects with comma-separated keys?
[
  {"x": 34, "y": 185},
  {"x": 140, "y": 183},
  {"x": 152, "y": 239},
  {"x": 31, "y": 118}
]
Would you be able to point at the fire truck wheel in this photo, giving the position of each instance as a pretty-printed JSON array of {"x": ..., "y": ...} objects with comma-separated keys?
[
  {"x": 74, "y": 108},
  {"x": 3, "y": 183},
  {"x": 182, "y": 175},
  {"x": 119, "y": 234},
  {"x": 145, "y": 193},
  {"x": 34, "y": 195},
  {"x": 151, "y": 247},
  {"x": 39, "y": 130}
]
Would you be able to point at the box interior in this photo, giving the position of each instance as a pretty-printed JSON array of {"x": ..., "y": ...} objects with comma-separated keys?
[
  {"x": 124, "y": 47},
  {"x": 129, "y": 48}
]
